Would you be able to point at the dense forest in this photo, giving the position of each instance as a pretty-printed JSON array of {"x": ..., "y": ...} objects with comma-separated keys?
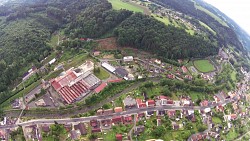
[
  {"x": 147, "y": 33},
  {"x": 226, "y": 36},
  {"x": 96, "y": 21}
]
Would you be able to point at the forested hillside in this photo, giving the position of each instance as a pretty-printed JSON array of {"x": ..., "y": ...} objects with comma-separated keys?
[
  {"x": 26, "y": 28},
  {"x": 147, "y": 33},
  {"x": 96, "y": 21},
  {"x": 226, "y": 36}
]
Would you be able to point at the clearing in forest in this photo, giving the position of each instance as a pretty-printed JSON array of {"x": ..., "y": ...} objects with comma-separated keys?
[
  {"x": 107, "y": 44},
  {"x": 119, "y": 4}
]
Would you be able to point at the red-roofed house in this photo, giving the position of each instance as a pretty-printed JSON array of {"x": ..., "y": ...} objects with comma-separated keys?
[
  {"x": 171, "y": 113},
  {"x": 117, "y": 119},
  {"x": 163, "y": 97},
  {"x": 170, "y": 76},
  {"x": 2, "y": 134},
  {"x": 150, "y": 103},
  {"x": 220, "y": 108},
  {"x": 184, "y": 69},
  {"x": 118, "y": 137},
  {"x": 115, "y": 80},
  {"x": 95, "y": 130},
  {"x": 100, "y": 88},
  {"x": 127, "y": 119},
  {"x": 204, "y": 103},
  {"x": 96, "y": 53},
  {"x": 140, "y": 104},
  {"x": 231, "y": 117},
  {"x": 216, "y": 99},
  {"x": 83, "y": 39},
  {"x": 94, "y": 123},
  {"x": 118, "y": 109},
  {"x": 189, "y": 77}
]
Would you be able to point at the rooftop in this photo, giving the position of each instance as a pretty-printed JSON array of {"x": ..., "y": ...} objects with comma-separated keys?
[
  {"x": 100, "y": 87},
  {"x": 121, "y": 72}
]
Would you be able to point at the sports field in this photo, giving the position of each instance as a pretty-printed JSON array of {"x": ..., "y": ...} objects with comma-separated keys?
[
  {"x": 203, "y": 66},
  {"x": 119, "y": 4}
]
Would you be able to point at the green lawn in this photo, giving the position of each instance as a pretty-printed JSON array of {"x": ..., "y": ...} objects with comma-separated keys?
[
  {"x": 216, "y": 120},
  {"x": 54, "y": 74},
  {"x": 54, "y": 40},
  {"x": 76, "y": 61},
  {"x": 118, "y": 4},
  {"x": 233, "y": 75},
  {"x": 203, "y": 65},
  {"x": 195, "y": 95},
  {"x": 103, "y": 74},
  {"x": 114, "y": 63},
  {"x": 163, "y": 19},
  {"x": 231, "y": 135}
]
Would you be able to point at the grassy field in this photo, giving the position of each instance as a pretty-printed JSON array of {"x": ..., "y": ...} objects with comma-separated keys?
[
  {"x": 118, "y": 4},
  {"x": 203, "y": 66},
  {"x": 233, "y": 75},
  {"x": 163, "y": 19},
  {"x": 209, "y": 28},
  {"x": 231, "y": 134},
  {"x": 216, "y": 120},
  {"x": 53, "y": 74},
  {"x": 190, "y": 31},
  {"x": 53, "y": 40},
  {"x": 103, "y": 74}
]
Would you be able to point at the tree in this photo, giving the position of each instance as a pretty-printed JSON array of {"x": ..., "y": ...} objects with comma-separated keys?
[
  {"x": 92, "y": 136},
  {"x": 158, "y": 132},
  {"x": 166, "y": 91}
]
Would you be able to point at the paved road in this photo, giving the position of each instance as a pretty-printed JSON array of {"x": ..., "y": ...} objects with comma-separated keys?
[
  {"x": 132, "y": 129},
  {"x": 101, "y": 117}
]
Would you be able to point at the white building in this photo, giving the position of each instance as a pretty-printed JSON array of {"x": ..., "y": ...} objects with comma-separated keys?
[
  {"x": 108, "y": 67},
  {"x": 52, "y": 61},
  {"x": 128, "y": 58}
]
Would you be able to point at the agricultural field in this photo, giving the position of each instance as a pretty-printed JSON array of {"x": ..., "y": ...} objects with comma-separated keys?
[
  {"x": 211, "y": 14},
  {"x": 119, "y": 4},
  {"x": 209, "y": 28},
  {"x": 203, "y": 66}
]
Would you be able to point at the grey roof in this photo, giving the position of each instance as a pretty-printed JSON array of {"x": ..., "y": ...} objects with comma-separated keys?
[
  {"x": 82, "y": 128},
  {"x": 129, "y": 101},
  {"x": 121, "y": 72}
]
